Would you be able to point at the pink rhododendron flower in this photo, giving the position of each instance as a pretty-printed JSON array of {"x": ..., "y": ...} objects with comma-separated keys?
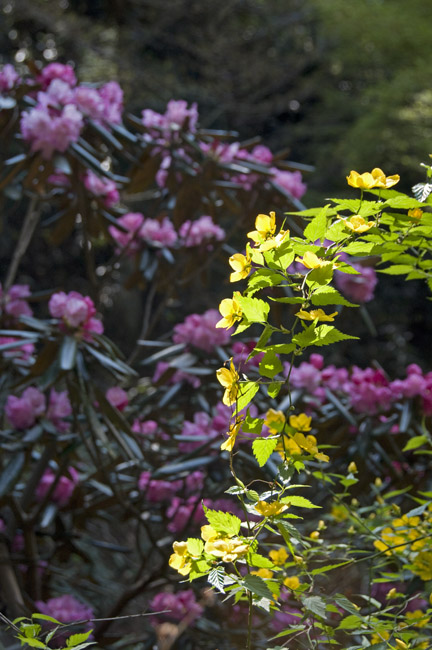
[
  {"x": 358, "y": 288},
  {"x": 9, "y": 77},
  {"x": 157, "y": 490},
  {"x": 20, "y": 351},
  {"x": 158, "y": 233},
  {"x": 117, "y": 397},
  {"x": 75, "y": 312},
  {"x": 112, "y": 97},
  {"x": 177, "y": 377},
  {"x": 62, "y": 491},
  {"x": 132, "y": 221},
  {"x": 195, "y": 233},
  {"x": 59, "y": 408},
  {"x": 48, "y": 132},
  {"x": 14, "y": 302},
  {"x": 180, "y": 605},
  {"x": 56, "y": 71},
  {"x": 200, "y": 330},
  {"x": 58, "y": 93},
  {"x": 89, "y": 102},
  {"x": 175, "y": 117},
  {"x": 144, "y": 427},
  {"x": 102, "y": 187},
  {"x": 66, "y": 609},
  {"x": 22, "y": 412},
  {"x": 289, "y": 181}
]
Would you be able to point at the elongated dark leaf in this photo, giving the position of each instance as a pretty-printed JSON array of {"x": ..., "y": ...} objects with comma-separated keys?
[
  {"x": 68, "y": 352},
  {"x": 11, "y": 473}
]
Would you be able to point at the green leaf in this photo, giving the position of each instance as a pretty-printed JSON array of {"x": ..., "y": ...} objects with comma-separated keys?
[
  {"x": 45, "y": 617},
  {"x": 223, "y": 522},
  {"x": 195, "y": 546},
  {"x": 329, "y": 567},
  {"x": 359, "y": 248},
  {"x": 318, "y": 226},
  {"x": 320, "y": 276},
  {"x": 287, "y": 531},
  {"x": 263, "y": 448},
  {"x": 260, "y": 561},
  {"x": 320, "y": 335},
  {"x": 77, "y": 639},
  {"x": 254, "y": 310},
  {"x": 252, "y": 425},
  {"x": 403, "y": 203},
  {"x": 263, "y": 278},
  {"x": 248, "y": 390},
  {"x": 351, "y": 622},
  {"x": 270, "y": 365},
  {"x": 329, "y": 296},
  {"x": 68, "y": 352},
  {"x": 396, "y": 269},
  {"x": 33, "y": 643},
  {"x": 216, "y": 578},
  {"x": 316, "y": 605},
  {"x": 415, "y": 442},
  {"x": 299, "y": 502},
  {"x": 257, "y": 586},
  {"x": 284, "y": 256},
  {"x": 274, "y": 388},
  {"x": 265, "y": 335},
  {"x": 346, "y": 604}
]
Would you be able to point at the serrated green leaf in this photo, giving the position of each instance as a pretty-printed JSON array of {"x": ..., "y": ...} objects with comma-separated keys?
[
  {"x": 216, "y": 578},
  {"x": 270, "y": 365},
  {"x": 403, "y": 203},
  {"x": 320, "y": 335},
  {"x": 260, "y": 561},
  {"x": 298, "y": 501},
  {"x": 274, "y": 389},
  {"x": 316, "y": 605},
  {"x": 396, "y": 269},
  {"x": 263, "y": 448},
  {"x": 329, "y": 567},
  {"x": 320, "y": 277},
  {"x": 45, "y": 617},
  {"x": 284, "y": 255},
  {"x": 195, "y": 546},
  {"x": 261, "y": 279},
  {"x": 248, "y": 390},
  {"x": 415, "y": 442},
  {"x": 329, "y": 296},
  {"x": 252, "y": 425},
  {"x": 316, "y": 229},
  {"x": 77, "y": 639},
  {"x": 351, "y": 622},
  {"x": 257, "y": 586},
  {"x": 254, "y": 310},
  {"x": 33, "y": 643},
  {"x": 287, "y": 531},
  {"x": 223, "y": 522},
  {"x": 346, "y": 604}
]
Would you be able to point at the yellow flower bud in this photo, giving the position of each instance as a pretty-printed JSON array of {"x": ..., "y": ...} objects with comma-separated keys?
[
  {"x": 314, "y": 534},
  {"x": 352, "y": 467},
  {"x": 401, "y": 645},
  {"x": 378, "y": 482},
  {"x": 392, "y": 593}
]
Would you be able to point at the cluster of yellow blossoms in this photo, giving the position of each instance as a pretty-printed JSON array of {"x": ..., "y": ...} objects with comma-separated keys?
[{"x": 294, "y": 443}]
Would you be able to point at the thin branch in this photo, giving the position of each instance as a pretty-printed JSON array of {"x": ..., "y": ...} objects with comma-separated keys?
[{"x": 30, "y": 222}]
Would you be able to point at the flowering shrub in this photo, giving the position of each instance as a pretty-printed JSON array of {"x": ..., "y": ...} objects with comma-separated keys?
[{"x": 107, "y": 463}]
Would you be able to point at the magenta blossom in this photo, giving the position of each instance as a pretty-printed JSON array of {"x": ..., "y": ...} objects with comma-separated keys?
[
  {"x": 102, "y": 187},
  {"x": 117, "y": 397},
  {"x": 289, "y": 181},
  {"x": 158, "y": 233},
  {"x": 181, "y": 606},
  {"x": 76, "y": 312},
  {"x": 22, "y": 412},
  {"x": 132, "y": 222},
  {"x": 157, "y": 490},
  {"x": 59, "y": 408},
  {"x": 360, "y": 287},
  {"x": 14, "y": 302},
  {"x": 201, "y": 231},
  {"x": 49, "y": 131},
  {"x": 9, "y": 77},
  {"x": 200, "y": 331},
  {"x": 56, "y": 71},
  {"x": 62, "y": 491}
]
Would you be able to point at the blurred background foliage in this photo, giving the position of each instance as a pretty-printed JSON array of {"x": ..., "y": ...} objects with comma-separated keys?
[{"x": 339, "y": 84}]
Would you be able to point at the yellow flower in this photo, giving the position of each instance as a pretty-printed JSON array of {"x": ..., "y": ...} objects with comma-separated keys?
[
  {"x": 228, "y": 549},
  {"x": 274, "y": 420},
  {"x": 311, "y": 261},
  {"x": 265, "y": 227},
  {"x": 270, "y": 509},
  {"x": 229, "y": 443},
  {"x": 415, "y": 213},
  {"x": 229, "y": 379},
  {"x": 309, "y": 444},
  {"x": 241, "y": 265},
  {"x": 314, "y": 534},
  {"x": 422, "y": 565},
  {"x": 368, "y": 180},
  {"x": 274, "y": 242},
  {"x": 339, "y": 512},
  {"x": 180, "y": 560},
  {"x": 292, "y": 583},
  {"x": 357, "y": 224},
  {"x": 278, "y": 557},
  {"x": 300, "y": 422},
  {"x": 352, "y": 467},
  {"x": 401, "y": 645},
  {"x": 263, "y": 573},
  {"x": 417, "y": 618},
  {"x": 231, "y": 312},
  {"x": 208, "y": 532},
  {"x": 316, "y": 314}
]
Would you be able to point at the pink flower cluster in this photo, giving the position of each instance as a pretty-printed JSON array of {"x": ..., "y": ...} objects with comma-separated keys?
[
  {"x": 9, "y": 77},
  {"x": 14, "y": 302},
  {"x": 177, "y": 115},
  {"x": 358, "y": 288},
  {"x": 23, "y": 412},
  {"x": 117, "y": 397},
  {"x": 66, "y": 609},
  {"x": 62, "y": 491},
  {"x": 180, "y": 605},
  {"x": 140, "y": 230},
  {"x": 190, "y": 510},
  {"x": 367, "y": 391},
  {"x": 157, "y": 490},
  {"x": 204, "y": 427},
  {"x": 200, "y": 331},
  {"x": 102, "y": 187},
  {"x": 200, "y": 231},
  {"x": 57, "y": 119},
  {"x": 75, "y": 312}
]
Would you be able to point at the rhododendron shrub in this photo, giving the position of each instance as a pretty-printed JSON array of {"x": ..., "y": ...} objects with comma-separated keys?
[{"x": 128, "y": 407}]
